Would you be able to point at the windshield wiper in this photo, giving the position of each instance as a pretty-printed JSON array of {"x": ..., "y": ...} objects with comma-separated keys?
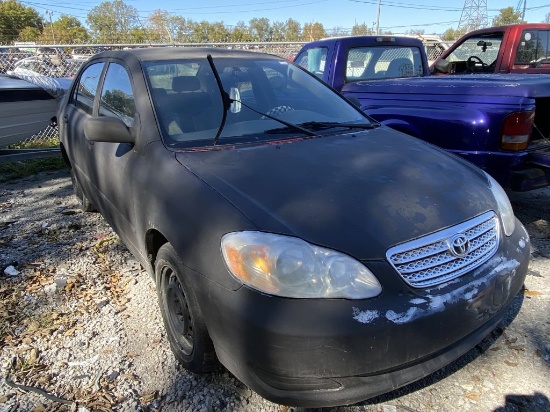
[
  {"x": 330, "y": 125},
  {"x": 225, "y": 97},
  {"x": 227, "y": 105}
]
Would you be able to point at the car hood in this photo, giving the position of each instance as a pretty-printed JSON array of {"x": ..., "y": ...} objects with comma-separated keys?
[
  {"x": 479, "y": 85},
  {"x": 358, "y": 193}
]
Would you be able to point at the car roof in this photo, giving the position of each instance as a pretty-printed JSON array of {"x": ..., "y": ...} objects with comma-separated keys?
[{"x": 175, "y": 53}]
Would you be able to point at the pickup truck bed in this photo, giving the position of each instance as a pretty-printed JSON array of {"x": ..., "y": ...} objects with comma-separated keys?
[{"x": 474, "y": 104}]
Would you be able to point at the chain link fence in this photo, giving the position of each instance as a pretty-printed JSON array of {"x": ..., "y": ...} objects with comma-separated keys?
[{"x": 65, "y": 60}]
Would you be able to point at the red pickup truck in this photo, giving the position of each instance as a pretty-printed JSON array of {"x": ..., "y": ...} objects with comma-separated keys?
[{"x": 518, "y": 48}]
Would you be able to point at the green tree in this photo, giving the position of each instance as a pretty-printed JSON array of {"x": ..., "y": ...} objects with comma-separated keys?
[
  {"x": 206, "y": 32},
  {"x": 113, "y": 22},
  {"x": 278, "y": 31},
  {"x": 157, "y": 23},
  {"x": 182, "y": 27},
  {"x": 360, "y": 30},
  {"x": 240, "y": 33},
  {"x": 293, "y": 30},
  {"x": 451, "y": 34},
  {"x": 66, "y": 30},
  {"x": 29, "y": 34},
  {"x": 14, "y": 18},
  {"x": 260, "y": 29},
  {"x": 507, "y": 16},
  {"x": 165, "y": 28},
  {"x": 313, "y": 31},
  {"x": 218, "y": 32}
]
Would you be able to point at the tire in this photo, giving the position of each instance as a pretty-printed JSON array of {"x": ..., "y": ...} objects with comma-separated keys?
[
  {"x": 183, "y": 319},
  {"x": 85, "y": 204}
]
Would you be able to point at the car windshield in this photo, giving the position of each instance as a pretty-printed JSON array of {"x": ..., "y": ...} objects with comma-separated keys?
[
  {"x": 484, "y": 47},
  {"x": 266, "y": 99}
]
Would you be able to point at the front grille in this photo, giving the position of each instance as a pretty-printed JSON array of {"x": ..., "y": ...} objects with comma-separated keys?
[{"x": 429, "y": 260}]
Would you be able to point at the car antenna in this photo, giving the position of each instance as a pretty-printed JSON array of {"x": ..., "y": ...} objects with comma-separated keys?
[{"x": 225, "y": 97}]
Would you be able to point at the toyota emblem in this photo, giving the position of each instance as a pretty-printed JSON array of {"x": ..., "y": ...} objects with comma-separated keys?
[{"x": 459, "y": 245}]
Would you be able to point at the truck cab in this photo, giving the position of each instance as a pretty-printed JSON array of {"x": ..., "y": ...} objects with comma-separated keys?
[
  {"x": 519, "y": 48},
  {"x": 364, "y": 58}
]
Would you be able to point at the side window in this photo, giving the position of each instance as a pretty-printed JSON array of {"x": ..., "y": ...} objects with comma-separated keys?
[
  {"x": 117, "y": 97},
  {"x": 313, "y": 60},
  {"x": 533, "y": 48},
  {"x": 85, "y": 91}
]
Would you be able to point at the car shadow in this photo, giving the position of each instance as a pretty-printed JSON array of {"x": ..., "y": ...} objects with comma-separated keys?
[{"x": 536, "y": 402}]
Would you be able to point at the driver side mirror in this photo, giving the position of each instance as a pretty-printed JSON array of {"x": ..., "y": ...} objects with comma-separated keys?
[
  {"x": 107, "y": 129},
  {"x": 235, "y": 98}
]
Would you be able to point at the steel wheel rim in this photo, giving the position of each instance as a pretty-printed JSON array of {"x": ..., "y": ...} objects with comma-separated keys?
[{"x": 178, "y": 314}]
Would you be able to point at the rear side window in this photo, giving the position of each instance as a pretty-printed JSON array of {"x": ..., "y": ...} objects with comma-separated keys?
[
  {"x": 117, "y": 97},
  {"x": 85, "y": 91},
  {"x": 533, "y": 48}
]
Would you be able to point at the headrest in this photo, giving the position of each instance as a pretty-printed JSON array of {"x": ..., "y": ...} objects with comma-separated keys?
[{"x": 185, "y": 84}]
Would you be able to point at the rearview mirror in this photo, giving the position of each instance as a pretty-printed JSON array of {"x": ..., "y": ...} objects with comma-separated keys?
[
  {"x": 484, "y": 44},
  {"x": 235, "y": 97},
  {"x": 107, "y": 129}
]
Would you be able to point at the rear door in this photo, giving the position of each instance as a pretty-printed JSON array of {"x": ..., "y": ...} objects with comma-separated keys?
[{"x": 80, "y": 107}]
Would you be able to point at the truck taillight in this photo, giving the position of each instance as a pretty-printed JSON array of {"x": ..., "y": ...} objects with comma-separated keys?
[{"x": 516, "y": 130}]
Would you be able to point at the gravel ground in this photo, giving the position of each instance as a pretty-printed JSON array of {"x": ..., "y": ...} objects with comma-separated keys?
[{"x": 80, "y": 327}]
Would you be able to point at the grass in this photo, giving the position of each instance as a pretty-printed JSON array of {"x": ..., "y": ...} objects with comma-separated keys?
[
  {"x": 41, "y": 143},
  {"x": 26, "y": 168}
]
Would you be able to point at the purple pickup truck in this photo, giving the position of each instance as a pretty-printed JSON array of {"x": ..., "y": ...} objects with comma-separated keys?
[{"x": 499, "y": 122}]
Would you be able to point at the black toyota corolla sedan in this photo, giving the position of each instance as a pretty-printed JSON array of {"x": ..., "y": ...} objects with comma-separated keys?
[{"x": 321, "y": 257}]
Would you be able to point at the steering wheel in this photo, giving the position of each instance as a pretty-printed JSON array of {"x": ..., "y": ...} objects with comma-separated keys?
[
  {"x": 276, "y": 111},
  {"x": 471, "y": 63}
]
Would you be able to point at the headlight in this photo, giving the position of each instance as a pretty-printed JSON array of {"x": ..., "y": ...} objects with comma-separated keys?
[
  {"x": 504, "y": 206},
  {"x": 290, "y": 267}
]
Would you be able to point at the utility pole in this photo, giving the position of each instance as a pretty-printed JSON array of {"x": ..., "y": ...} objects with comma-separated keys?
[
  {"x": 50, "y": 13},
  {"x": 378, "y": 18},
  {"x": 519, "y": 6}
]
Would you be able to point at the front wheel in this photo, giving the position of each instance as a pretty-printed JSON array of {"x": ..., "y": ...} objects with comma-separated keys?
[{"x": 181, "y": 314}]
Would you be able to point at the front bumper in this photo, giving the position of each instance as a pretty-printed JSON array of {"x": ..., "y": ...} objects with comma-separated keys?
[{"x": 317, "y": 353}]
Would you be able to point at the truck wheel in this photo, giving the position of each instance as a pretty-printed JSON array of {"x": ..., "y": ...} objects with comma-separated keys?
[
  {"x": 85, "y": 204},
  {"x": 181, "y": 314}
]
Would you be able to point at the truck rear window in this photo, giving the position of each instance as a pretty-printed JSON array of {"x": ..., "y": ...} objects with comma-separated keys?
[{"x": 380, "y": 62}]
